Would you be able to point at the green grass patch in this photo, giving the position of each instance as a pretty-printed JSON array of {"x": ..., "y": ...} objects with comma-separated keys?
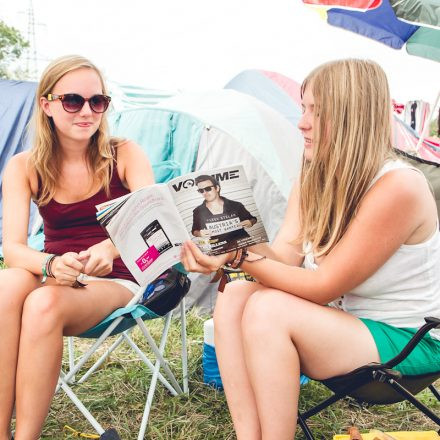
[{"x": 116, "y": 393}]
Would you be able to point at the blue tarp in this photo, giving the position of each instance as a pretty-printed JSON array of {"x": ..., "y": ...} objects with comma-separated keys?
[
  {"x": 16, "y": 105},
  {"x": 380, "y": 24}
]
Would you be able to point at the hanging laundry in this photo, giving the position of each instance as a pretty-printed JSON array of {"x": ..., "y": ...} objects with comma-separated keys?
[{"x": 416, "y": 114}]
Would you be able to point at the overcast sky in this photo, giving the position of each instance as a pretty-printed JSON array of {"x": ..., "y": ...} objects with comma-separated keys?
[{"x": 202, "y": 44}]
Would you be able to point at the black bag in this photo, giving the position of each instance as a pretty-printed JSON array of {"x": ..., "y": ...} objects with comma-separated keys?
[{"x": 166, "y": 291}]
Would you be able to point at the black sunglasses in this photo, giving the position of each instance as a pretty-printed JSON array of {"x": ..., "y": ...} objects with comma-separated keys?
[
  {"x": 73, "y": 103},
  {"x": 207, "y": 189}
]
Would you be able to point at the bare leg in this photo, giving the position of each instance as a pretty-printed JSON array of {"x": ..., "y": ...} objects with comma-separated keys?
[
  {"x": 50, "y": 312},
  {"x": 229, "y": 348},
  {"x": 15, "y": 285},
  {"x": 283, "y": 333}
]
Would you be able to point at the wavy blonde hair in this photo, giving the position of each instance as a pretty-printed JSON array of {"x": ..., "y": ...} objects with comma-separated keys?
[
  {"x": 351, "y": 141},
  {"x": 45, "y": 156}
]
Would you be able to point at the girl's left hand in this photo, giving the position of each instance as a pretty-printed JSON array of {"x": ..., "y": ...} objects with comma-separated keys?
[
  {"x": 194, "y": 260},
  {"x": 98, "y": 259}
]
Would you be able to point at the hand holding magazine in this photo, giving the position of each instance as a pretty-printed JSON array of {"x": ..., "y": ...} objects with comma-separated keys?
[{"x": 215, "y": 209}]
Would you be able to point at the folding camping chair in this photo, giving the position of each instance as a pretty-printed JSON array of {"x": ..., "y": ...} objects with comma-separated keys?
[
  {"x": 377, "y": 383},
  {"x": 173, "y": 288}
]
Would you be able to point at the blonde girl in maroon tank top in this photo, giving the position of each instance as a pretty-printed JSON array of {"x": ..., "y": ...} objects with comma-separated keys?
[{"x": 73, "y": 164}]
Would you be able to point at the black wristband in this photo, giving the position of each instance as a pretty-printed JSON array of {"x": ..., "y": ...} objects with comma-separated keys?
[{"x": 238, "y": 259}]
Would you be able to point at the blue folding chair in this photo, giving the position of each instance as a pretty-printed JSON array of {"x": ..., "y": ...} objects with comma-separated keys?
[{"x": 171, "y": 289}]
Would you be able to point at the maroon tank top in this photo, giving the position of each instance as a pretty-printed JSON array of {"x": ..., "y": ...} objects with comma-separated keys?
[{"x": 72, "y": 227}]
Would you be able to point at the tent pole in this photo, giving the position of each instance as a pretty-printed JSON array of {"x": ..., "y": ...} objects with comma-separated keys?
[{"x": 426, "y": 127}]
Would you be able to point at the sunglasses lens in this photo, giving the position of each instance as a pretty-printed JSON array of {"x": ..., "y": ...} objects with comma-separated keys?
[
  {"x": 207, "y": 189},
  {"x": 99, "y": 103},
  {"x": 72, "y": 102}
]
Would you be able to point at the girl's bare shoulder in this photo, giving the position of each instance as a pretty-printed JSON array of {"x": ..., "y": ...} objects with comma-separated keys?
[
  {"x": 19, "y": 168},
  {"x": 404, "y": 183},
  {"x": 19, "y": 165}
]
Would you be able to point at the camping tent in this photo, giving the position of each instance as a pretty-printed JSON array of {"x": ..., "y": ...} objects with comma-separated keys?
[
  {"x": 16, "y": 104},
  {"x": 274, "y": 89}
]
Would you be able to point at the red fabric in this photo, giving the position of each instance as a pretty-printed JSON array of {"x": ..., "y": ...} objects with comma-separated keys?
[
  {"x": 362, "y": 5},
  {"x": 72, "y": 227},
  {"x": 434, "y": 141},
  {"x": 398, "y": 108}
]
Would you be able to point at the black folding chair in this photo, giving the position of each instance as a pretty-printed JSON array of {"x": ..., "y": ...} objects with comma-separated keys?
[{"x": 379, "y": 384}]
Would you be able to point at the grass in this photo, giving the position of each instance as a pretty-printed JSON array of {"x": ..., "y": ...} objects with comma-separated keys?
[{"x": 115, "y": 395}]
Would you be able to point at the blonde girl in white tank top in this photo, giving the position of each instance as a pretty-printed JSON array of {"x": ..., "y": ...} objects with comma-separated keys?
[{"x": 266, "y": 332}]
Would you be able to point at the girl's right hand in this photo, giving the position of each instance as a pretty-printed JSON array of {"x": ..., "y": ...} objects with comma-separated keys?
[
  {"x": 66, "y": 268},
  {"x": 194, "y": 260}
]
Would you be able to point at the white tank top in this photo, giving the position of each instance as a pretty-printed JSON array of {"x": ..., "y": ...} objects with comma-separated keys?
[{"x": 405, "y": 289}]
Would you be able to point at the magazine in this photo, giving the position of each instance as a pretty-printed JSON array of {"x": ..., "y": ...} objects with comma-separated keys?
[{"x": 214, "y": 208}]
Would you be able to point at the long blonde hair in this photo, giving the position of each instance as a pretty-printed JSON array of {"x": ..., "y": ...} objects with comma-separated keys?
[
  {"x": 45, "y": 156},
  {"x": 351, "y": 141}
]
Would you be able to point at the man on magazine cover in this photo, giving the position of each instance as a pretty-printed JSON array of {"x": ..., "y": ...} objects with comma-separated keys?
[{"x": 221, "y": 220}]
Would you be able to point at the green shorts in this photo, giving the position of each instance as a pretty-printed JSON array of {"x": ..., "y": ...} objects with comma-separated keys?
[{"x": 425, "y": 358}]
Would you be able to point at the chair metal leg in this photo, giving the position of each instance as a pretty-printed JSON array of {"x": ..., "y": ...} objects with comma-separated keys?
[
  {"x": 434, "y": 391},
  {"x": 92, "y": 350},
  {"x": 153, "y": 381},
  {"x": 98, "y": 428},
  {"x": 156, "y": 352},
  {"x": 306, "y": 430},
  {"x": 71, "y": 350},
  {"x": 98, "y": 363},
  {"x": 404, "y": 392},
  {"x": 324, "y": 404},
  {"x": 184, "y": 346},
  {"x": 149, "y": 364},
  {"x": 318, "y": 408}
]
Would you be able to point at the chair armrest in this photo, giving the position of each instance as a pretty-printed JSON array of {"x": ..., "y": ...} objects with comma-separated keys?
[
  {"x": 431, "y": 323},
  {"x": 433, "y": 320}
]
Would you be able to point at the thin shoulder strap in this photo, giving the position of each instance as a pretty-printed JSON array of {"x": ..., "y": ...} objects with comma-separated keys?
[{"x": 391, "y": 165}]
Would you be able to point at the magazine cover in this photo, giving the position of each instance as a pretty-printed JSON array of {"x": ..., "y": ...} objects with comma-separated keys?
[{"x": 218, "y": 209}]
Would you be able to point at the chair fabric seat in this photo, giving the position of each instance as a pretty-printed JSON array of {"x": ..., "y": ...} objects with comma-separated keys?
[
  {"x": 130, "y": 314},
  {"x": 361, "y": 385},
  {"x": 173, "y": 286}
]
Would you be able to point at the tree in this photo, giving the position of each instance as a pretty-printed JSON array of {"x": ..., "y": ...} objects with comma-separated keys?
[{"x": 12, "y": 45}]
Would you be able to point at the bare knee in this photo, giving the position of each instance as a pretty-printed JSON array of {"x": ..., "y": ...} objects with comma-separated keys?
[
  {"x": 42, "y": 311},
  {"x": 267, "y": 310},
  {"x": 230, "y": 304},
  {"x": 15, "y": 285}
]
